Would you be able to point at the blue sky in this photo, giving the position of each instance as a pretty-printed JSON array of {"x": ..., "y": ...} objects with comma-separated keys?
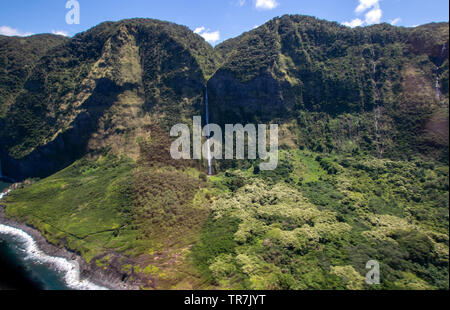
[{"x": 215, "y": 20}]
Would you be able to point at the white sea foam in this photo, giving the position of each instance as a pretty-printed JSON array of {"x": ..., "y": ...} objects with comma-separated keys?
[
  {"x": 70, "y": 269},
  {"x": 4, "y": 194}
]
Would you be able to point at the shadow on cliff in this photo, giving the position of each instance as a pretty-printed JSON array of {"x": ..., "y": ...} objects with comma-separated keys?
[
  {"x": 69, "y": 145},
  {"x": 259, "y": 101}
]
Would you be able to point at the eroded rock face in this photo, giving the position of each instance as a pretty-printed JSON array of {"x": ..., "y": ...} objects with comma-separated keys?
[
  {"x": 258, "y": 101},
  {"x": 129, "y": 75},
  {"x": 374, "y": 88},
  {"x": 100, "y": 90},
  {"x": 68, "y": 145}
]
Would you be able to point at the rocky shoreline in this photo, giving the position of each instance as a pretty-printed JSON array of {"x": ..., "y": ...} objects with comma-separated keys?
[{"x": 111, "y": 279}]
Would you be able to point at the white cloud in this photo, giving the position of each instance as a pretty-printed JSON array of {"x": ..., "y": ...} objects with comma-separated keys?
[
  {"x": 266, "y": 4},
  {"x": 259, "y": 4},
  {"x": 364, "y": 5},
  {"x": 354, "y": 23},
  {"x": 395, "y": 21},
  {"x": 60, "y": 33},
  {"x": 8, "y": 31},
  {"x": 374, "y": 16},
  {"x": 209, "y": 36},
  {"x": 199, "y": 29}
]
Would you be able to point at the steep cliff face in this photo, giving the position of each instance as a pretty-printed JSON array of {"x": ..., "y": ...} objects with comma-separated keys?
[
  {"x": 99, "y": 91},
  {"x": 372, "y": 87},
  {"x": 350, "y": 102},
  {"x": 18, "y": 56},
  {"x": 379, "y": 89}
]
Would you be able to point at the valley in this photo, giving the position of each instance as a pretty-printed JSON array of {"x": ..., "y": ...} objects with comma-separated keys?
[{"x": 362, "y": 168}]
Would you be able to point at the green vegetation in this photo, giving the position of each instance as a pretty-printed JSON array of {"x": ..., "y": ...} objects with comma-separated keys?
[
  {"x": 86, "y": 206},
  {"x": 368, "y": 90},
  {"x": 117, "y": 213},
  {"x": 90, "y": 71},
  {"x": 17, "y": 60},
  {"x": 363, "y": 162},
  {"x": 320, "y": 233},
  {"x": 247, "y": 230}
]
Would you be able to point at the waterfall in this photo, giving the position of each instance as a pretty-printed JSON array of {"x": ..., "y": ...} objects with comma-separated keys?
[
  {"x": 438, "y": 86},
  {"x": 208, "y": 145},
  {"x": 438, "y": 89},
  {"x": 377, "y": 109}
]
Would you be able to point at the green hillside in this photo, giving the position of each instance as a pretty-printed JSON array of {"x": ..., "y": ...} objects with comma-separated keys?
[
  {"x": 368, "y": 89},
  {"x": 363, "y": 171}
]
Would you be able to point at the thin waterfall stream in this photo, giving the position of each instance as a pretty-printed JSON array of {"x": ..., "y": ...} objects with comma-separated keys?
[
  {"x": 438, "y": 86},
  {"x": 208, "y": 145}
]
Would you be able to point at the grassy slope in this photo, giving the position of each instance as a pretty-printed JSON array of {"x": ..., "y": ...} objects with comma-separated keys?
[
  {"x": 84, "y": 205},
  {"x": 311, "y": 224},
  {"x": 138, "y": 217}
]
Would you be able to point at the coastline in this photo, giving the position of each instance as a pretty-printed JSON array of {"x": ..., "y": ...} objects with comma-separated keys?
[{"x": 98, "y": 278}]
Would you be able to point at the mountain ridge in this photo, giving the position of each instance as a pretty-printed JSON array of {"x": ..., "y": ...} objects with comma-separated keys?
[
  {"x": 363, "y": 156},
  {"x": 296, "y": 63}
]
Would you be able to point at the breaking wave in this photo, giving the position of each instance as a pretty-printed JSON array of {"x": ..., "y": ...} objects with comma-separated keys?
[{"x": 69, "y": 268}]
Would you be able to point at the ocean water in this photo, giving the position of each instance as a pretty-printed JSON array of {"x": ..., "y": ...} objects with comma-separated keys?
[
  {"x": 19, "y": 273},
  {"x": 3, "y": 185},
  {"x": 23, "y": 266}
]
